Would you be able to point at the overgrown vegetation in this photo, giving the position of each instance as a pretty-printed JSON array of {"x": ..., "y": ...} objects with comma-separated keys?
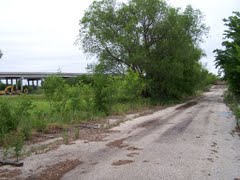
[
  {"x": 69, "y": 103},
  {"x": 101, "y": 95},
  {"x": 233, "y": 102},
  {"x": 228, "y": 60},
  {"x": 148, "y": 54}
]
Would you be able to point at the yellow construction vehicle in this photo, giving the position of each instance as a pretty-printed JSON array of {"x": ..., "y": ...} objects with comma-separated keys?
[
  {"x": 7, "y": 90},
  {"x": 2, "y": 93}
]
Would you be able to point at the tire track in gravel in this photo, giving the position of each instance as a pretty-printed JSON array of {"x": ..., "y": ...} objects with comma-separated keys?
[{"x": 158, "y": 124}]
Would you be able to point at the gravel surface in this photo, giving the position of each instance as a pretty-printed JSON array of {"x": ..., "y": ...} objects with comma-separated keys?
[{"x": 195, "y": 140}]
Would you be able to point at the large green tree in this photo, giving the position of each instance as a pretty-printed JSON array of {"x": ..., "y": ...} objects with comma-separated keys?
[
  {"x": 228, "y": 59},
  {"x": 159, "y": 42}
]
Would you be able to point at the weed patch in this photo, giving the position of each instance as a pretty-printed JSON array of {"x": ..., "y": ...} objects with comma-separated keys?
[{"x": 233, "y": 102}]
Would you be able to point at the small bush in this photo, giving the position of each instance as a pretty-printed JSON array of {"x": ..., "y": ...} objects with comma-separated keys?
[
  {"x": 16, "y": 117},
  {"x": 13, "y": 142},
  {"x": 9, "y": 120},
  {"x": 40, "y": 120},
  {"x": 234, "y": 103}
]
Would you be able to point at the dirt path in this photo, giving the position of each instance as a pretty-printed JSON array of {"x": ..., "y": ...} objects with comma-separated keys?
[{"x": 190, "y": 141}]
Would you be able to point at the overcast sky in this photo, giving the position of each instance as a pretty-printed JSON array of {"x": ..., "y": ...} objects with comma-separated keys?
[{"x": 39, "y": 35}]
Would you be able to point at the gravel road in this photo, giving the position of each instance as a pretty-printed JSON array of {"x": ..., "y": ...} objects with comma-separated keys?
[{"x": 195, "y": 140}]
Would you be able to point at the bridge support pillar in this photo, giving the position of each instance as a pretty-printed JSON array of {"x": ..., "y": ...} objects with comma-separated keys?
[
  {"x": 16, "y": 84},
  {"x": 21, "y": 82}
]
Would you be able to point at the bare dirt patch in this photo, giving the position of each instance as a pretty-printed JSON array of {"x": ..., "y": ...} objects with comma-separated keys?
[
  {"x": 92, "y": 134},
  {"x": 85, "y": 133},
  {"x": 132, "y": 154},
  {"x": 38, "y": 137},
  {"x": 54, "y": 128},
  {"x": 153, "y": 122},
  {"x": 44, "y": 148},
  {"x": 187, "y": 105},
  {"x": 117, "y": 143},
  {"x": 9, "y": 174},
  {"x": 122, "y": 162},
  {"x": 56, "y": 171}
]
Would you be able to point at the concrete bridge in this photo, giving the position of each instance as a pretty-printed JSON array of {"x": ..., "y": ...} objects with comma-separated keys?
[{"x": 32, "y": 78}]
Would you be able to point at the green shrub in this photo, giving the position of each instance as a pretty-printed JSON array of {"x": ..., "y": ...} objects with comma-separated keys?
[
  {"x": 13, "y": 142},
  {"x": 16, "y": 117},
  {"x": 102, "y": 92},
  {"x": 130, "y": 87},
  {"x": 79, "y": 98},
  {"x": 52, "y": 85},
  {"x": 234, "y": 103},
  {"x": 9, "y": 120},
  {"x": 23, "y": 113},
  {"x": 40, "y": 120}
]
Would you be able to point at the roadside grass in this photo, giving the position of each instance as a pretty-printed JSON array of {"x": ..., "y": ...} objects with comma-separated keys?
[
  {"x": 39, "y": 101},
  {"x": 42, "y": 118},
  {"x": 234, "y": 103}
]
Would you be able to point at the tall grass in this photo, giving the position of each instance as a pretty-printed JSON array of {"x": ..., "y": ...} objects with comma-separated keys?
[{"x": 234, "y": 103}]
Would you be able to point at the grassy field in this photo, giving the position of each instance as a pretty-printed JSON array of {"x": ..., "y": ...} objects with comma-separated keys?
[
  {"x": 37, "y": 112},
  {"x": 39, "y": 101}
]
